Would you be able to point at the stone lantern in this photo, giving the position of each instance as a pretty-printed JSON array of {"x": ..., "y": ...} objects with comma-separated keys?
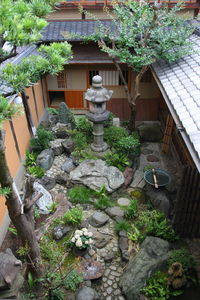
[{"x": 97, "y": 97}]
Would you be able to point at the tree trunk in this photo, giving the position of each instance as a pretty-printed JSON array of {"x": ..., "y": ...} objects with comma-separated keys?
[{"x": 23, "y": 221}]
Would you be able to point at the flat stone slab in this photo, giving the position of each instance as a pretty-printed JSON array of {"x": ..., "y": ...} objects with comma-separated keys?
[
  {"x": 95, "y": 173},
  {"x": 98, "y": 219},
  {"x": 138, "y": 179},
  {"x": 115, "y": 211},
  {"x": 123, "y": 201}
]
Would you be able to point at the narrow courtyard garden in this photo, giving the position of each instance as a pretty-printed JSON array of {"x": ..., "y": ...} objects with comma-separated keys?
[{"x": 103, "y": 232}]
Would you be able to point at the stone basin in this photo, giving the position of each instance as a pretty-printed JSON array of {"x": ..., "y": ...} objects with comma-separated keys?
[{"x": 163, "y": 177}]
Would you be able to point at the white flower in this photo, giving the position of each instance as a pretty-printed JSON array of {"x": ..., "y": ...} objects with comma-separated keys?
[
  {"x": 78, "y": 232},
  {"x": 90, "y": 234},
  {"x": 79, "y": 243},
  {"x": 90, "y": 241},
  {"x": 73, "y": 240},
  {"x": 77, "y": 236},
  {"x": 86, "y": 242}
]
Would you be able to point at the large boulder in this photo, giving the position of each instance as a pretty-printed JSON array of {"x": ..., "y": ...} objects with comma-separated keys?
[
  {"x": 45, "y": 159},
  {"x": 151, "y": 257},
  {"x": 150, "y": 132},
  {"x": 95, "y": 173},
  {"x": 65, "y": 115},
  {"x": 159, "y": 198},
  {"x": 45, "y": 201}
]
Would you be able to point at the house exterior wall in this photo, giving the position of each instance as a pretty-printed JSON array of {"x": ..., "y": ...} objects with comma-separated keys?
[
  {"x": 65, "y": 14},
  {"x": 14, "y": 157}
]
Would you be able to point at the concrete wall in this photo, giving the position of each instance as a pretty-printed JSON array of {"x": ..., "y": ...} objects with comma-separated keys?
[{"x": 15, "y": 159}]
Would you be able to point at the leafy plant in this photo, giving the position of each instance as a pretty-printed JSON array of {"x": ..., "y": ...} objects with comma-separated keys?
[
  {"x": 73, "y": 280},
  {"x": 5, "y": 191},
  {"x": 7, "y": 110},
  {"x": 117, "y": 160},
  {"x": 157, "y": 287},
  {"x": 50, "y": 250},
  {"x": 80, "y": 140},
  {"x": 85, "y": 127},
  {"x": 80, "y": 194},
  {"x": 131, "y": 210},
  {"x": 30, "y": 159},
  {"x": 73, "y": 216},
  {"x": 103, "y": 203},
  {"x": 155, "y": 223},
  {"x": 129, "y": 145},
  {"x": 53, "y": 207},
  {"x": 36, "y": 171},
  {"x": 52, "y": 111},
  {"x": 57, "y": 294},
  {"x": 134, "y": 234},
  {"x": 182, "y": 256},
  {"x": 36, "y": 212},
  {"x": 122, "y": 225},
  {"x": 30, "y": 280},
  {"x": 41, "y": 141},
  {"x": 13, "y": 230},
  {"x": 23, "y": 251},
  {"x": 113, "y": 134},
  {"x": 109, "y": 122},
  {"x": 147, "y": 168}
]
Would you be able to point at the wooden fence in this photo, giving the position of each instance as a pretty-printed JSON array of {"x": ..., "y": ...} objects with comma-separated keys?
[{"x": 186, "y": 220}]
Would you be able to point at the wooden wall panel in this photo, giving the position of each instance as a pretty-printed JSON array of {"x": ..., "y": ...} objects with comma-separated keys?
[
  {"x": 3, "y": 209},
  {"x": 74, "y": 99},
  {"x": 31, "y": 103},
  {"x": 39, "y": 99}
]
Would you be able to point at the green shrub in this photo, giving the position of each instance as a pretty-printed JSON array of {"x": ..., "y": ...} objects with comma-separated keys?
[
  {"x": 80, "y": 140},
  {"x": 157, "y": 287},
  {"x": 147, "y": 168},
  {"x": 73, "y": 280},
  {"x": 131, "y": 210},
  {"x": 182, "y": 256},
  {"x": 52, "y": 111},
  {"x": 117, "y": 160},
  {"x": 85, "y": 127},
  {"x": 113, "y": 134},
  {"x": 73, "y": 216},
  {"x": 5, "y": 191},
  {"x": 109, "y": 122},
  {"x": 122, "y": 226},
  {"x": 154, "y": 223},
  {"x": 30, "y": 159},
  {"x": 80, "y": 194},
  {"x": 57, "y": 294},
  {"x": 103, "y": 202},
  {"x": 134, "y": 234},
  {"x": 128, "y": 145},
  {"x": 36, "y": 171},
  {"x": 41, "y": 141}
]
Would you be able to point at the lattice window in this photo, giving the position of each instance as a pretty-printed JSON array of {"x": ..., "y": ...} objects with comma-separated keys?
[
  {"x": 111, "y": 78},
  {"x": 61, "y": 80}
]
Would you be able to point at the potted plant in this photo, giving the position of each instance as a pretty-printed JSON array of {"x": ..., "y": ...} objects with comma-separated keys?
[{"x": 81, "y": 241}]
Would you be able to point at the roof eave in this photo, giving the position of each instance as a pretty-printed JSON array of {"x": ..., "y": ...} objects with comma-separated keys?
[{"x": 177, "y": 121}]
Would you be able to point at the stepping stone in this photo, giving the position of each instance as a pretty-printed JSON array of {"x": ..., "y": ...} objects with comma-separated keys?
[
  {"x": 146, "y": 151},
  {"x": 153, "y": 158},
  {"x": 115, "y": 212},
  {"x": 98, "y": 219},
  {"x": 138, "y": 179},
  {"x": 123, "y": 201}
]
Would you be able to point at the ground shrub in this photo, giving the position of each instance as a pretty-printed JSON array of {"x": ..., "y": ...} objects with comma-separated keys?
[
  {"x": 117, "y": 160},
  {"x": 80, "y": 194},
  {"x": 131, "y": 211},
  {"x": 85, "y": 127},
  {"x": 103, "y": 203},
  {"x": 153, "y": 222},
  {"x": 109, "y": 122},
  {"x": 128, "y": 145},
  {"x": 30, "y": 160},
  {"x": 41, "y": 141},
  {"x": 73, "y": 216},
  {"x": 113, "y": 134},
  {"x": 72, "y": 280},
  {"x": 36, "y": 171},
  {"x": 80, "y": 140},
  {"x": 122, "y": 225},
  {"x": 182, "y": 256}
]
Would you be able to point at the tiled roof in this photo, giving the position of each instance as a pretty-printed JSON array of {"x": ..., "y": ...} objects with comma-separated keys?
[
  {"x": 61, "y": 30},
  {"x": 181, "y": 84}
]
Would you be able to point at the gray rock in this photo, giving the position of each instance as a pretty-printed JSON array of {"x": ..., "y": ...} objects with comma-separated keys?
[
  {"x": 45, "y": 159},
  {"x": 100, "y": 239},
  {"x": 61, "y": 130},
  {"x": 60, "y": 231},
  {"x": 62, "y": 178},
  {"x": 57, "y": 147},
  {"x": 95, "y": 173},
  {"x": 150, "y": 132},
  {"x": 9, "y": 268},
  {"x": 65, "y": 115},
  {"x": 88, "y": 283},
  {"x": 98, "y": 219},
  {"x": 146, "y": 151},
  {"x": 123, "y": 201},
  {"x": 47, "y": 182},
  {"x": 52, "y": 119},
  {"x": 68, "y": 146},
  {"x": 138, "y": 179},
  {"x": 123, "y": 246},
  {"x": 159, "y": 198},
  {"x": 128, "y": 175},
  {"x": 152, "y": 256},
  {"x": 45, "y": 202},
  {"x": 86, "y": 293},
  {"x": 68, "y": 165},
  {"x": 115, "y": 212}
]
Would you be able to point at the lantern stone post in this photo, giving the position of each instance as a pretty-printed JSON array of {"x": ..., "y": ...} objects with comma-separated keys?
[{"x": 97, "y": 96}]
